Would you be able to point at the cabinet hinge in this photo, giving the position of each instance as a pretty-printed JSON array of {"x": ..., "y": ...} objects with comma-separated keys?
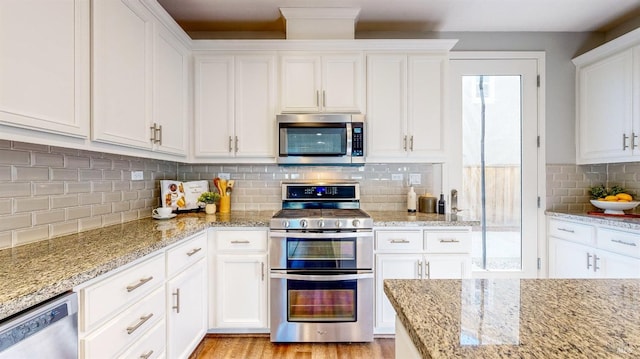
[
  {"x": 539, "y": 200},
  {"x": 538, "y": 81},
  {"x": 539, "y": 263}
]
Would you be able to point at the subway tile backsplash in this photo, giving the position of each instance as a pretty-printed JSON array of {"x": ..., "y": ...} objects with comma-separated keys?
[{"x": 48, "y": 191}]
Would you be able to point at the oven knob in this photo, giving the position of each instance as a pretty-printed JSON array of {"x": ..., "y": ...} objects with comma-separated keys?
[
  {"x": 338, "y": 223},
  {"x": 285, "y": 223},
  {"x": 356, "y": 222},
  {"x": 303, "y": 223},
  {"x": 320, "y": 223}
]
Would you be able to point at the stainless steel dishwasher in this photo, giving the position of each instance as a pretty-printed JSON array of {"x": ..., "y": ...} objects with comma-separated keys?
[{"x": 48, "y": 330}]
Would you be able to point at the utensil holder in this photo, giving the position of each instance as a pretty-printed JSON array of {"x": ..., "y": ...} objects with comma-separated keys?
[{"x": 225, "y": 204}]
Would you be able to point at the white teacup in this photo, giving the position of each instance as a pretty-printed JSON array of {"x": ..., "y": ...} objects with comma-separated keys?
[{"x": 162, "y": 212}]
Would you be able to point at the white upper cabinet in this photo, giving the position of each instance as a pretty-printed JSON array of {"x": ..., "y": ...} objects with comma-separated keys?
[
  {"x": 140, "y": 79},
  {"x": 321, "y": 83},
  {"x": 44, "y": 66},
  {"x": 235, "y": 106},
  {"x": 170, "y": 93},
  {"x": 405, "y": 107},
  {"x": 607, "y": 94}
]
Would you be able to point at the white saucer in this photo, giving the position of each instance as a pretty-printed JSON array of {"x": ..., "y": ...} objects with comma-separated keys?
[{"x": 172, "y": 215}]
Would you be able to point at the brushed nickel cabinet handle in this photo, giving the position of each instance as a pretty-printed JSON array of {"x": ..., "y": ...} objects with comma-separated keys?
[
  {"x": 399, "y": 241},
  {"x": 633, "y": 140},
  {"x": 624, "y": 141},
  {"x": 159, "y": 139},
  {"x": 411, "y": 143},
  {"x": 142, "y": 320},
  {"x": 566, "y": 230},
  {"x": 236, "y": 144},
  {"x": 193, "y": 251},
  {"x": 427, "y": 270},
  {"x": 632, "y": 244},
  {"x": 420, "y": 269},
  {"x": 153, "y": 133},
  {"x": 262, "y": 270},
  {"x": 230, "y": 144},
  {"x": 318, "y": 98},
  {"x": 324, "y": 98},
  {"x": 146, "y": 355},
  {"x": 177, "y": 295},
  {"x": 405, "y": 143},
  {"x": 595, "y": 263},
  {"x": 588, "y": 260},
  {"x": 449, "y": 240},
  {"x": 240, "y": 242},
  {"x": 131, "y": 288}
]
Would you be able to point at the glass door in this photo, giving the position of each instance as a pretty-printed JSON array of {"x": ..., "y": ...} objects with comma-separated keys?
[{"x": 496, "y": 173}]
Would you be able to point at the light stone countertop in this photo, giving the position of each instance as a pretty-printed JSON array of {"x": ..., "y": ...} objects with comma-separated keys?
[
  {"x": 33, "y": 273},
  {"x": 614, "y": 221},
  {"x": 512, "y": 318}
]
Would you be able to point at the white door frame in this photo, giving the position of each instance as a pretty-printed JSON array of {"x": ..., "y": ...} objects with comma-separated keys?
[{"x": 451, "y": 179}]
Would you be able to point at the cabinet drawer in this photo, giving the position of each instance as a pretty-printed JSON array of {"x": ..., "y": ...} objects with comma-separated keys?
[
  {"x": 399, "y": 241},
  {"x": 152, "y": 345},
  {"x": 448, "y": 242},
  {"x": 575, "y": 232},
  {"x": 103, "y": 299},
  {"x": 241, "y": 241},
  {"x": 626, "y": 243},
  {"x": 185, "y": 254},
  {"x": 125, "y": 329}
]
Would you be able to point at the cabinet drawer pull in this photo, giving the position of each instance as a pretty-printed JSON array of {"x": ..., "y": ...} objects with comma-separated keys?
[
  {"x": 419, "y": 269},
  {"x": 632, "y": 244},
  {"x": 177, "y": 295},
  {"x": 399, "y": 241},
  {"x": 427, "y": 270},
  {"x": 193, "y": 251},
  {"x": 405, "y": 143},
  {"x": 624, "y": 141},
  {"x": 633, "y": 140},
  {"x": 131, "y": 288},
  {"x": 240, "y": 242},
  {"x": 230, "y": 144},
  {"x": 142, "y": 320},
  {"x": 262, "y": 270},
  {"x": 411, "y": 143},
  {"x": 566, "y": 230},
  {"x": 595, "y": 263},
  {"x": 449, "y": 240},
  {"x": 589, "y": 261},
  {"x": 146, "y": 355}
]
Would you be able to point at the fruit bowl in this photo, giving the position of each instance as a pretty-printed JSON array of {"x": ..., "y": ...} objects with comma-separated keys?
[{"x": 611, "y": 207}]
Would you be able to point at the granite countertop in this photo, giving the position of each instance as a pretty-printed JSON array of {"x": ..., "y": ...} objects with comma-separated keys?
[
  {"x": 615, "y": 221},
  {"x": 529, "y": 318},
  {"x": 405, "y": 219},
  {"x": 36, "y": 272}
]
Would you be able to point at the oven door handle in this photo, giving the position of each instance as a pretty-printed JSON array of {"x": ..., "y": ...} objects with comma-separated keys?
[
  {"x": 317, "y": 278},
  {"x": 323, "y": 235}
]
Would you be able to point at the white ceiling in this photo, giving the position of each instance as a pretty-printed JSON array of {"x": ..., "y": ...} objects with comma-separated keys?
[{"x": 413, "y": 15}]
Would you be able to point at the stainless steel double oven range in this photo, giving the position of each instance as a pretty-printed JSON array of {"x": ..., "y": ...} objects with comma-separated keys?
[{"x": 321, "y": 260}]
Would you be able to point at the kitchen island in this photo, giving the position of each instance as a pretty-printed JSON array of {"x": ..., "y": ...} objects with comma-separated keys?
[{"x": 529, "y": 318}]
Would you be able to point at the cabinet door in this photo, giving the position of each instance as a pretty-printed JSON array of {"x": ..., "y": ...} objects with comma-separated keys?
[
  {"x": 170, "y": 92},
  {"x": 122, "y": 58},
  {"x": 386, "y": 106},
  {"x": 425, "y": 121},
  {"x": 255, "y": 106},
  {"x": 241, "y": 291},
  {"x": 612, "y": 265},
  {"x": 44, "y": 67},
  {"x": 214, "y": 105},
  {"x": 447, "y": 266},
  {"x": 605, "y": 109},
  {"x": 187, "y": 310},
  {"x": 341, "y": 83},
  {"x": 392, "y": 266},
  {"x": 300, "y": 83},
  {"x": 570, "y": 260}
]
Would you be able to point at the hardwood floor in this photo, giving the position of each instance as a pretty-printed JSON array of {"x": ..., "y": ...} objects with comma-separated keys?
[{"x": 259, "y": 347}]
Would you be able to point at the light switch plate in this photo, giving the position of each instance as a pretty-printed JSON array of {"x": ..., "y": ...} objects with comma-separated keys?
[
  {"x": 137, "y": 175},
  {"x": 223, "y": 175},
  {"x": 415, "y": 178}
]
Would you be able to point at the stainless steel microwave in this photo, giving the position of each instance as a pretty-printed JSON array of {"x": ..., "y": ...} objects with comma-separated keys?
[{"x": 321, "y": 139}]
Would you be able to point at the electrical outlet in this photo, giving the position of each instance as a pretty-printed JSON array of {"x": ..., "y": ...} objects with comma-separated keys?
[
  {"x": 415, "y": 178},
  {"x": 137, "y": 175},
  {"x": 396, "y": 176},
  {"x": 224, "y": 176}
]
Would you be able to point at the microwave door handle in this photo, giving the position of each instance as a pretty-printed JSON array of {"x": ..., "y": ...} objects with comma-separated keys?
[
  {"x": 349, "y": 139},
  {"x": 318, "y": 278}
]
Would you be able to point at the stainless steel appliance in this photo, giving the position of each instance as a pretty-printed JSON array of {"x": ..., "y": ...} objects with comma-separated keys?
[
  {"x": 50, "y": 330},
  {"x": 321, "y": 139},
  {"x": 321, "y": 265}
]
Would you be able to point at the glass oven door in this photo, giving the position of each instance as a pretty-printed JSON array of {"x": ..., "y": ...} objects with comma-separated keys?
[
  {"x": 321, "y": 251},
  {"x": 314, "y": 139}
]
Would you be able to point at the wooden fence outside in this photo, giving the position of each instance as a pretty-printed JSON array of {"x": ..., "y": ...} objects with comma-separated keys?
[{"x": 503, "y": 194}]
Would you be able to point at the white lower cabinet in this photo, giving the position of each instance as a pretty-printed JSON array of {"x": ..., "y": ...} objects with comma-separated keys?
[
  {"x": 186, "y": 297},
  {"x": 578, "y": 250},
  {"x": 240, "y": 284},
  {"x": 443, "y": 253}
]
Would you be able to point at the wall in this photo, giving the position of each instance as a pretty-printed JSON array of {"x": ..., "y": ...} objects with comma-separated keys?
[{"x": 48, "y": 191}]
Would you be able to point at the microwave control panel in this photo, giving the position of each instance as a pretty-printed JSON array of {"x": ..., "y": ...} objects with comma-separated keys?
[{"x": 357, "y": 138}]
